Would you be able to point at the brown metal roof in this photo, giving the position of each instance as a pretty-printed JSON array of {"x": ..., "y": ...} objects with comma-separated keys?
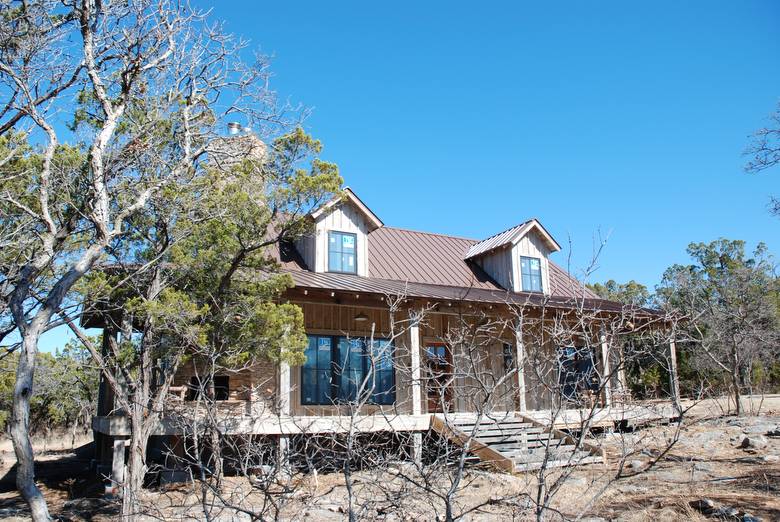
[
  {"x": 421, "y": 257},
  {"x": 406, "y": 255}
]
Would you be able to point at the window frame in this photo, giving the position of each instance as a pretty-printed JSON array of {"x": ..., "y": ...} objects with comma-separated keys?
[
  {"x": 336, "y": 373},
  {"x": 530, "y": 274},
  {"x": 340, "y": 252}
]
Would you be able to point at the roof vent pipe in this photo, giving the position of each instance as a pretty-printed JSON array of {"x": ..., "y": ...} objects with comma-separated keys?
[{"x": 233, "y": 128}]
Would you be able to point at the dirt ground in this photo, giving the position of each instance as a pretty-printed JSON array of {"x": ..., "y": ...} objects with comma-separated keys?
[{"x": 706, "y": 462}]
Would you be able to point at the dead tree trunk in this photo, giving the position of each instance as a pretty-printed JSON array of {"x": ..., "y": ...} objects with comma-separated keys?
[{"x": 20, "y": 426}]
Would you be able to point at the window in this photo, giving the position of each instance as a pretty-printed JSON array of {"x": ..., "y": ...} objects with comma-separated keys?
[
  {"x": 531, "y": 271},
  {"x": 221, "y": 387},
  {"x": 338, "y": 368},
  {"x": 576, "y": 371},
  {"x": 342, "y": 252},
  {"x": 509, "y": 357},
  {"x": 197, "y": 388},
  {"x": 316, "y": 373}
]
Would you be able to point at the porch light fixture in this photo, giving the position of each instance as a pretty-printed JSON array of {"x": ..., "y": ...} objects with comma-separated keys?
[{"x": 361, "y": 317}]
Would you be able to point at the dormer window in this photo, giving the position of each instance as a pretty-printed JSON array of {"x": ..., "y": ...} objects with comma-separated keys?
[
  {"x": 531, "y": 271},
  {"x": 342, "y": 252}
]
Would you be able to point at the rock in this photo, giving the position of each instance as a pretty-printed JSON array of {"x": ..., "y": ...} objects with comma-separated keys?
[
  {"x": 770, "y": 459},
  {"x": 704, "y": 505},
  {"x": 755, "y": 441},
  {"x": 758, "y": 428},
  {"x": 630, "y": 489},
  {"x": 726, "y": 512},
  {"x": 747, "y": 517}
]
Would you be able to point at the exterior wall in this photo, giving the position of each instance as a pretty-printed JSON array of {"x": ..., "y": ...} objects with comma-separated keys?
[
  {"x": 341, "y": 218},
  {"x": 252, "y": 390},
  {"x": 498, "y": 265},
  {"x": 503, "y": 264},
  {"x": 332, "y": 319},
  {"x": 530, "y": 245}
]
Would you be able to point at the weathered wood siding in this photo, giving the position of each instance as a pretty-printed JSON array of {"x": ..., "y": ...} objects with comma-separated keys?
[
  {"x": 344, "y": 217},
  {"x": 331, "y": 319},
  {"x": 531, "y": 245},
  {"x": 498, "y": 265}
]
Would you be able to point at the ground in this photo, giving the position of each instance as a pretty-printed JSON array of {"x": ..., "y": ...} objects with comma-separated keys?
[{"x": 706, "y": 463}]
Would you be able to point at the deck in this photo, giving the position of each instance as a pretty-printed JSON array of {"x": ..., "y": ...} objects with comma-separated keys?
[{"x": 629, "y": 415}]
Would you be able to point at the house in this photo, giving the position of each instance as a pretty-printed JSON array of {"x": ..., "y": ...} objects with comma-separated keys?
[{"x": 382, "y": 306}]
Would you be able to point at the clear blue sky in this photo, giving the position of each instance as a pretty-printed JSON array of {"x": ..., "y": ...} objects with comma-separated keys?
[{"x": 467, "y": 118}]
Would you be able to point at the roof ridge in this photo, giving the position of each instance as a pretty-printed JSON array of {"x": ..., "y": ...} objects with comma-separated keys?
[
  {"x": 507, "y": 230},
  {"x": 428, "y": 233}
]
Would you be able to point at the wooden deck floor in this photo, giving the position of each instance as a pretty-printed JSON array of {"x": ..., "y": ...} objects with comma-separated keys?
[{"x": 570, "y": 419}]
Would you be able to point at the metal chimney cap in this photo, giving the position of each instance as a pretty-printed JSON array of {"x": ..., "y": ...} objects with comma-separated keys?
[{"x": 233, "y": 127}]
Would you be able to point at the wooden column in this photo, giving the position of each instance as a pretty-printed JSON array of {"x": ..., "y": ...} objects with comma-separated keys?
[
  {"x": 606, "y": 379},
  {"x": 284, "y": 409},
  {"x": 674, "y": 381},
  {"x": 118, "y": 465},
  {"x": 414, "y": 347},
  {"x": 520, "y": 362}
]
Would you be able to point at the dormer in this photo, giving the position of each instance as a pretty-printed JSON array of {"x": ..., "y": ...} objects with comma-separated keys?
[
  {"x": 518, "y": 259},
  {"x": 338, "y": 243}
]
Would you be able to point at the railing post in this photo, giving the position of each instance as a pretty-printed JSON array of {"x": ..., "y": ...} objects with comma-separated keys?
[
  {"x": 520, "y": 362},
  {"x": 414, "y": 333},
  {"x": 607, "y": 381},
  {"x": 284, "y": 410}
]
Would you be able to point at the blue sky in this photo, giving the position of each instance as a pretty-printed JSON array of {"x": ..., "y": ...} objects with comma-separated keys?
[
  {"x": 466, "y": 118},
  {"x": 612, "y": 117}
]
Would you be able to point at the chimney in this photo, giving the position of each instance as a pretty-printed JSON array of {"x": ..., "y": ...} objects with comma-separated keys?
[{"x": 234, "y": 128}]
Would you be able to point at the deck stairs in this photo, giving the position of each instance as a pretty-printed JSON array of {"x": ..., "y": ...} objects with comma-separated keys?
[{"x": 515, "y": 443}]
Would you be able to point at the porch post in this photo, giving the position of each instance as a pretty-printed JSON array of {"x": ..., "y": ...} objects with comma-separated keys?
[
  {"x": 520, "y": 358},
  {"x": 605, "y": 368},
  {"x": 674, "y": 381},
  {"x": 284, "y": 409},
  {"x": 414, "y": 333},
  {"x": 118, "y": 466}
]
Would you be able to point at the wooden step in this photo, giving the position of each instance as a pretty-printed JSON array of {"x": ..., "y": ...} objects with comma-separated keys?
[
  {"x": 509, "y": 432},
  {"x": 532, "y": 466}
]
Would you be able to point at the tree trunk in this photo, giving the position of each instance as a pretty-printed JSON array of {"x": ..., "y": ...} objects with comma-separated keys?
[
  {"x": 735, "y": 379},
  {"x": 136, "y": 465},
  {"x": 20, "y": 427}
]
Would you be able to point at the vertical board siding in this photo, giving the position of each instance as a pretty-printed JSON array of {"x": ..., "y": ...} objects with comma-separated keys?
[
  {"x": 531, "y": 245},
  {"x": 342, "y": 218},
  {"x": 498, "y": 265}
]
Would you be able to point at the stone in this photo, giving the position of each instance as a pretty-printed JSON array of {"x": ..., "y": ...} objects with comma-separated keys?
[
  {"x": 704, "y": 505},
  {"x": 770, "y": 459},
  {"x": 755, "y": 441},
  {"x": 631, "y": 489},
  {"x": 747, "y": 517},
  {"x": 758, "y": 428},
  {"x": 726, "y": 512}
]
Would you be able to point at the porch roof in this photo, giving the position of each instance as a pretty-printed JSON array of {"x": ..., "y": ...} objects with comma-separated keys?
[{"x": 371, "y": 285}]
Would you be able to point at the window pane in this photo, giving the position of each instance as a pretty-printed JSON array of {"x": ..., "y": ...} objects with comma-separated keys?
[
  {"x": 531, "y": 272},
  {"x": 347, "y": 243},
  {"x": 316, "y": 374},
  {"x": 342, "y": 248}
]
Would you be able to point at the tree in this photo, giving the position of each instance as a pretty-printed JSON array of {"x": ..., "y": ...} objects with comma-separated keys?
[
  {"x": 209, "y": 292},
  {"x": 66, "y": 384},
  {"x": 764, "y": 152},
  {"x": 631, "y": 293},
  {"x": 728, "y": 300},
  {"x": 146, "y": 85}
]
